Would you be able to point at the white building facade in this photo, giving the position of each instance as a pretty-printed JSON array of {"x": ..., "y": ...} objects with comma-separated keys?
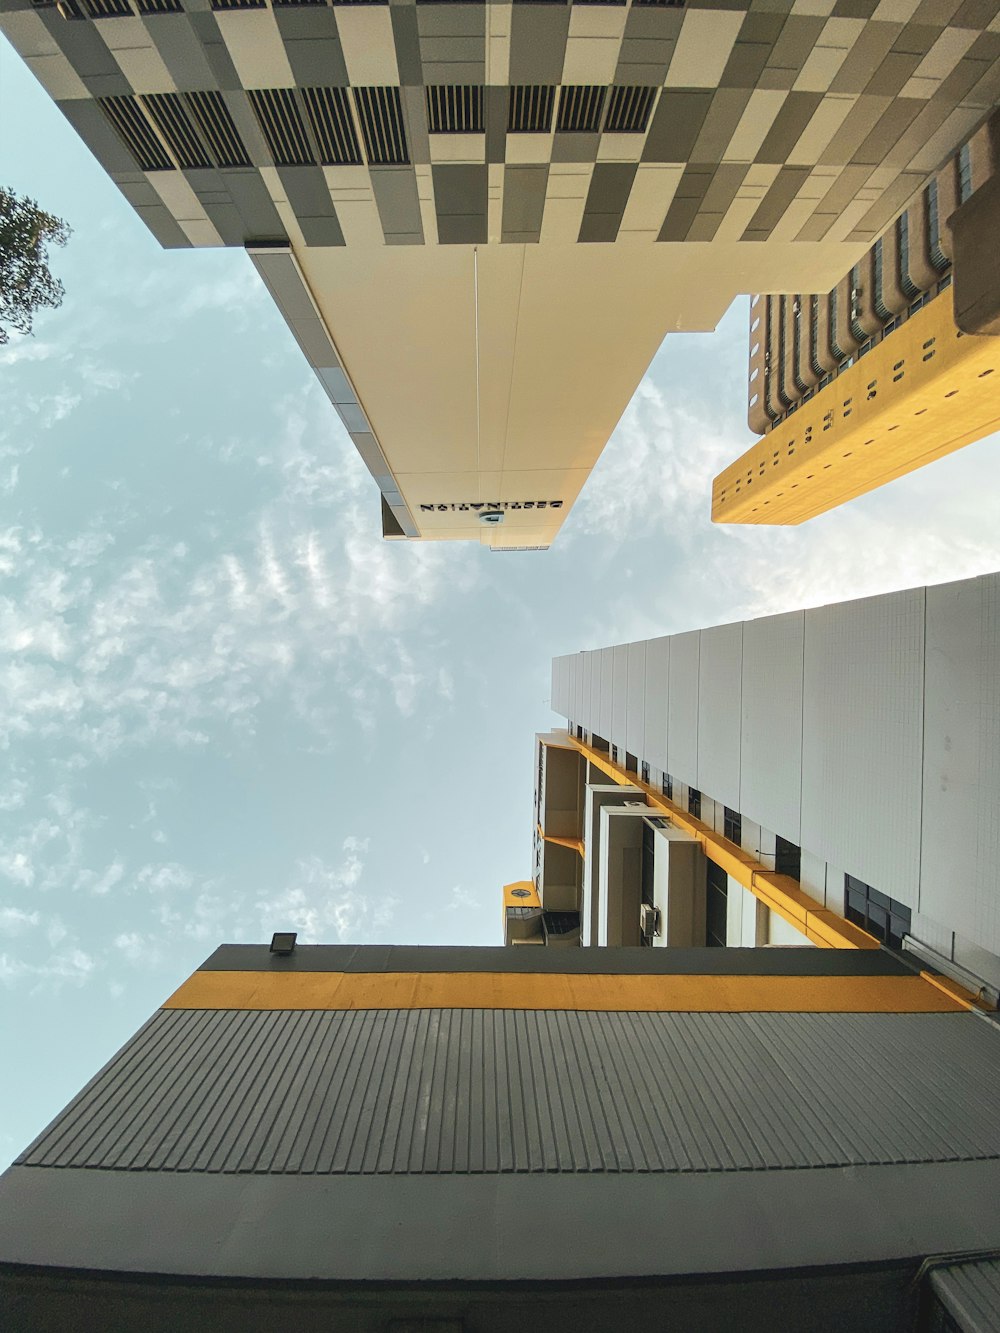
[{"x": 853, "y": 747}]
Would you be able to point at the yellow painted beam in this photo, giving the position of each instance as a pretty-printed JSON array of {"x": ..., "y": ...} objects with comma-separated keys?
[
  {"x": 560, "y": 991},
  {"x": 923, "y": 392},
  {"x": 574, "y": 844},
  {"x": 781, "y": 893}
]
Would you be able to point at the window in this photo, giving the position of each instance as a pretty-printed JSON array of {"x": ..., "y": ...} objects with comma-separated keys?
[
  {"x": 631, "y": 763},
  {"x": 668, "y": 786},
  {"x": 835, "y": 346},
  {"x": 732, "y": 825},
  {"x": 856, "y": 330},
  {"x": 716, "y": 906},
  {"x": 614, "y": 754},
  {"x": 881, "y": 916},
  {"x": 964, "y": 173},
  {"x": 905, "y": 281},
  {"x": 938, "y": 258},
  {"x": 645, "y": 771},
  {"x": 881, "y": 309},
  {"x": 787, "y": 858},
  {"x": 814, "y": 335},
  {"x": 694, "y": 802},
  {"x": 782, "y": 391},
  {"x": 800, "y": 383},
  {"x": 648, "y": 862}
]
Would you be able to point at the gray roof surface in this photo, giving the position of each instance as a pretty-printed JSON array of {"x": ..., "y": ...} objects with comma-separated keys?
[
  {"x": 970, "y": 1292},
  {"x": 491, "y": 1091}
]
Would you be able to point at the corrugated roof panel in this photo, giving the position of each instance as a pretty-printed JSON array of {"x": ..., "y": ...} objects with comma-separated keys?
[
  {"x": 970, "y": 1293},
  {"x": 472, "y": 1090}
]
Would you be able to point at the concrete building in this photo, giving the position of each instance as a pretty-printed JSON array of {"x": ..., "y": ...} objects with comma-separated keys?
[
  {"x": 382, "y": 1140},
  {"x": 829, "y": 777},
  {"x": 891, "y": 369},
  {"x": 480, "y": 221}
]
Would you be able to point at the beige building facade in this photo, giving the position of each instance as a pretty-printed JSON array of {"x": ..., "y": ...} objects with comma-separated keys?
[{"x": 481, "y": 220}]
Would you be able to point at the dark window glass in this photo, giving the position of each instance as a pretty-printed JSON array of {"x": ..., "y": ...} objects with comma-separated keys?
[
  {"x": 787, "y": 858},
  {"x": 964, "y": 173},
  {"x": 694, "y": 802},
  {"x": 716, "y": 904},
  {"x": 645, "y": 771},
  {"x": 905, "y": 281},
  {"x": 875, "y": 912},
  {"x": 631, "y": 763},
  {"x": 938, "y": 257},
  {"x": 614, "y": 754},
  {"x": 732, "y": 825},
  {"x": 668, "y": 786}
]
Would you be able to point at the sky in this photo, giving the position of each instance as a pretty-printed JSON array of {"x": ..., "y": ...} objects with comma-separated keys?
[{"x": 228, "y": 707}]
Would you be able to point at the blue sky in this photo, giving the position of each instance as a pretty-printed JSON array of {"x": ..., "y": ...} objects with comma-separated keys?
[{"x": 227, "y": 707}]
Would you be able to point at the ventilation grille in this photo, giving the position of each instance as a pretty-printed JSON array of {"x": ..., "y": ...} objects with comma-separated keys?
[
  {"x": 359, "y": 2},
  {"x": 282, "y": 125},
  {"x": 664, "y": 4},
  {"x": 108, "y": 9},
  {"x": 284, "y": 4},
  {"x": 455, "y": 109},
  {"x": 168, "y": 114},
  {"x": 159, "y": 6},
  {"x": 68, "y": 9},
  {"x": 330, "y": 117},
  {"x": 530, "y": 109},
  {"x": 136, "y": 133},
  {"x": 580, "y": 107},
  {"x": 628, "y": 110},
  {"x": 238, "y": 4},
  {"x": 216, "y": 124},
  {"x": 381, "y": 119}
]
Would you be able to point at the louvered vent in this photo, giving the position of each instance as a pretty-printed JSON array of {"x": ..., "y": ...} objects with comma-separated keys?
[
  {"x": 159, "y": 6},
  {"x": 628, "y": 110},
  {"x": 530, "y": 109},
  {"x": 360, "y": 2},
  {"x": 136, "y": 133},
  {"x": 381, "y": 119},
  {"x": 455, "y": 109},
  {"x": 580, "y": 107},
  {"x": 238, "y": 4},
  {"x": 330, "y": 117},
  {"x": 284, "y": 4},
  {"x": 218, "y": 129},
  {"x": 168, "y": 114},
  {"x": 69, "y": 9},
  {"x": 108, "y": 9},
  {"x": 283, "y": 127},
  {"x": 664, "y": 4}
]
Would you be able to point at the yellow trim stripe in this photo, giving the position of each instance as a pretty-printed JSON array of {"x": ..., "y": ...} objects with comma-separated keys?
[
  {"x": 512, "y": 990},
  {"x": 781, "y": 893}
]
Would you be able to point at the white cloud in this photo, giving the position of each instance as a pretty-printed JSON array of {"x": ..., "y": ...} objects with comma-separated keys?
[
  {"x": 72, "y": 966},
  {"x": 14, "y": 921},
  {"x": 324, "y": 902}
]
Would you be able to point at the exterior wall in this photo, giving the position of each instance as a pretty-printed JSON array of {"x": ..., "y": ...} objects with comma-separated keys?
[
  {"x": 858, "y": 736},
  {"x": 774, "y": 387}
]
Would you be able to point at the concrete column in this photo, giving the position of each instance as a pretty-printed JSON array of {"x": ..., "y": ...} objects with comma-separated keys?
[
  {"x": 893, "y": 296},
  {"x": 757, "y": 415},
  {"x": 923, "y": 274},
  {"x": 824, "y": 352},
  {"x": 806, "y": 373},
  {"x": 947, "y": 185},
  {"x": 868, "y": 316}
]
